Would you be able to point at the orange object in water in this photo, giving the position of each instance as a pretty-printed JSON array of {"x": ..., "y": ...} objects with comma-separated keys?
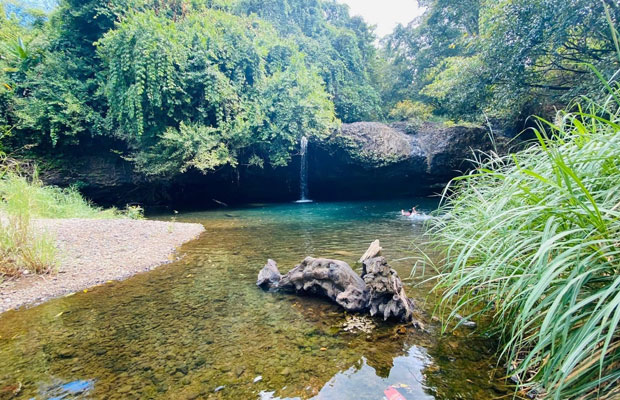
[{"x": 393, "y": 394}]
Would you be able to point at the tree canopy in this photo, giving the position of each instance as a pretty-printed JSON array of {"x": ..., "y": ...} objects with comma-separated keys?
[
  {"x": 508, "y": 58},
  {"x": 208, "y": 88},
  {"x": 205, "y": 82},
  {"x": 340, "y": 46},
  {"x": 209, "y": 83}
]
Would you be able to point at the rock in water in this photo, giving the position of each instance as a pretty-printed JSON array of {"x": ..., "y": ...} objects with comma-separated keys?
[
  {"x": 386, "y": 295},
  {"x": 269, "y": 276}
]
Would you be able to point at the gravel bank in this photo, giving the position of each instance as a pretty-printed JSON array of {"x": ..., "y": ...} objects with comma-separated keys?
[{"x": 96, "y": 251}]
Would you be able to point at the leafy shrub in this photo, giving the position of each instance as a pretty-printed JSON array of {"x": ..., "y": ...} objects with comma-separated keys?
[
  {"x": 134, "y": 212},
  {"x": 407, "y": 110}
]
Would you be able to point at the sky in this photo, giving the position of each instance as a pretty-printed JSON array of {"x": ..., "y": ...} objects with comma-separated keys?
[{"x": 385, "y": 14}]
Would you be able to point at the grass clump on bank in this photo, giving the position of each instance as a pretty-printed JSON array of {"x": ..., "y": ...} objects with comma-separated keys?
[
  {"x": 24, "y": 251},
  {"x": 23, "y": 248},
  {"x": 23, "y": 195},
  {"x": 533, "y": 241}
]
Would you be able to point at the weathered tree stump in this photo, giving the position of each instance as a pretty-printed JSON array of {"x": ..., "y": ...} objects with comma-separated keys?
[
  {"x": 378, "y": 291},
  {"x": 333, "y": 279},
  {"x": 386, "y": 295},
  {"x": 373, "y": 251},
  {"x": 269, "y": 276}
]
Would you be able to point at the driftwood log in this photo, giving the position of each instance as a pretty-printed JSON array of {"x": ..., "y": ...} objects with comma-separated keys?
[
  {"x": 386, "y": 295},
  {"x": 333, "y": 279},
  {"x": 378, "y": 291},
  {"x": 373, "y": 251},
  {"x": 269, "y": 276}
]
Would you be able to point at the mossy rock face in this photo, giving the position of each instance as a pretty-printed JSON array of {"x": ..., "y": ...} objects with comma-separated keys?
[
  {"x": 359, "y": 160},
  {"x": 373, "y": 143},
  {"x": 399, "y": 159},
  {"x": 442, "y": 148}
]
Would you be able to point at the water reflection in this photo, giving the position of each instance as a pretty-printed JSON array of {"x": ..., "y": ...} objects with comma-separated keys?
[
  {"x": 405, "y": 380},
  {"x": 363, "y": 382},
  {"x": 304, "y": 219}
]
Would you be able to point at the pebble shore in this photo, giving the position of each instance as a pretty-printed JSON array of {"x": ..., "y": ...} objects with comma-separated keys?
[{"x": 93, "y": 252}]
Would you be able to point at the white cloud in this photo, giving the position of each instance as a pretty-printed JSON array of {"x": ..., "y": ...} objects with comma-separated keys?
[{"x": 385, "y": 14}]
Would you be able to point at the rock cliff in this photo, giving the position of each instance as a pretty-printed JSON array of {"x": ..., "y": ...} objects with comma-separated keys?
[
  {"x": 406, "y": 159},
  {"x": 360, "y": 160}
]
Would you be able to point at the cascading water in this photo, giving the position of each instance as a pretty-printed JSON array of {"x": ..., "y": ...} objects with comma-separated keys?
[{"x": 303, "y": 177}]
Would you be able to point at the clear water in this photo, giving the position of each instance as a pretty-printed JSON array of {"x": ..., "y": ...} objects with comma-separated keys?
[{"x": 200, "y": 328}]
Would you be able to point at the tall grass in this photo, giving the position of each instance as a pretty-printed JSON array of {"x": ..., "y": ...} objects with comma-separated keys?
[
  {"x": 533, "y": 241},
  {"x": 25, "y": 195},
  {"x": 23, "y": 250}
]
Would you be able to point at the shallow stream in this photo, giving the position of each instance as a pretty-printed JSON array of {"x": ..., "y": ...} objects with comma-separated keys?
[{"x": 200, "y": 328}]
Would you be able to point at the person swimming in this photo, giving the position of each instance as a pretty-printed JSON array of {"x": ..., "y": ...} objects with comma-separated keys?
[{"x": 408, "y": 213}]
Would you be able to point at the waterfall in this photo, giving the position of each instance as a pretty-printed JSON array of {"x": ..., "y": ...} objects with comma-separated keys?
[{"x": 303, "y": 171}]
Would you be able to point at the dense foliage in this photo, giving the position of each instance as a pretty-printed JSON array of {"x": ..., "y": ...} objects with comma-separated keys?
[
  {"x": 508, "y": 59},
  {"x": 340, "y": 46},
  {"x": 182, "y": 84},
  {"x": 202, "y": 91},
  {"x": 225, "y": 82},
  {"x": 532, "y": 240}
]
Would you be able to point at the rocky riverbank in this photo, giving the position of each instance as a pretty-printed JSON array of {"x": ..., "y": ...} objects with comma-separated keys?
[{"x": 93, "y": 252}]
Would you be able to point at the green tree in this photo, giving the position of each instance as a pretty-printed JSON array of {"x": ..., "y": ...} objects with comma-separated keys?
[
  {"x": 21, "y": 49},
  {"x": 538, "y": 51},
  {"x": 508, "y": 58},
  {"x": 339, "y": 46},
  {"x": 208, "y": 90},
  {"x": 448, "y": 28},
  {"x": 58, "y": 101}
]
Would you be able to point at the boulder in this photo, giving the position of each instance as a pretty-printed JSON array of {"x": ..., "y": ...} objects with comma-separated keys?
[
  {"x": 429, "y": 148},
  {"x": 370, "y": 159}
]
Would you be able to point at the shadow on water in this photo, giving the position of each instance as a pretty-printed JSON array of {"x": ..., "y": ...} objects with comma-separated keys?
[{"x": 200, "y": 328}]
